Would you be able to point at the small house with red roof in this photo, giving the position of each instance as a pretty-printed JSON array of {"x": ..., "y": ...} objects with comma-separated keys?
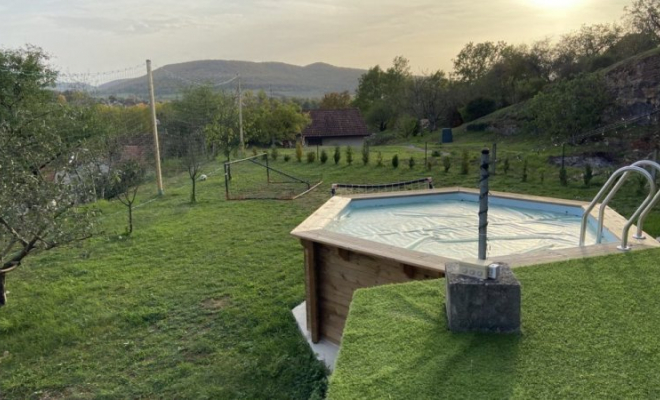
[{"x": 336, "y": 128}]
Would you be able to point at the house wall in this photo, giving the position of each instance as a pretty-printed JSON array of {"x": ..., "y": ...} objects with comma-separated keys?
[
  {"x": 354, "y": 141},
  {"x": 332, "y": 275}
]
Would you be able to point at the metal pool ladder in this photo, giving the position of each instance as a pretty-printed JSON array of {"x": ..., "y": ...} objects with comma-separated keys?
[{"x": 640, "y": 214}]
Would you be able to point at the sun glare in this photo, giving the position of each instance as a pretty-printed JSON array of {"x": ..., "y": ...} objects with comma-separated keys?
[{"x": 555, "y": 4}]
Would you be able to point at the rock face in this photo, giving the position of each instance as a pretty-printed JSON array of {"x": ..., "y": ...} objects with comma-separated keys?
[{"x": 636, "y": 87}]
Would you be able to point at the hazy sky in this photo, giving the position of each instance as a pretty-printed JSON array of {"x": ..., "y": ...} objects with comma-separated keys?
[{"x": 100, "y": 35}]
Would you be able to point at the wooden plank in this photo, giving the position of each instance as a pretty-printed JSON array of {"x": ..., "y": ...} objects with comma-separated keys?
[
  {"x": 311, "y": 287},
  {"x": 363, "y": 264}
]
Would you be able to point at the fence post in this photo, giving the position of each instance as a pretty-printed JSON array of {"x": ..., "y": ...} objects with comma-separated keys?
[
  {"x": 154, "y": 127},
  {"x": 226, "y": 182},
  {"x": 483, "y": 204},
  {"x": 494, "y": 162},
  {"x": 267, "y": 169}
]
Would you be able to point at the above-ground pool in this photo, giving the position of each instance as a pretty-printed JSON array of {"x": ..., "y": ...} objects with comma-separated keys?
[
  {"x": 368, "y": 240},
  {"x": 447, "y": 225}
]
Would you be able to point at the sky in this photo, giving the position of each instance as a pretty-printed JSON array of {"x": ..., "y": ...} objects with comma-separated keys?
[{"x": 103, "y": 35}]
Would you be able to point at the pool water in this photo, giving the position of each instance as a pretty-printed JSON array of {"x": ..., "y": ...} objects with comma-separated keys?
[{"x": 448, "y": 225}]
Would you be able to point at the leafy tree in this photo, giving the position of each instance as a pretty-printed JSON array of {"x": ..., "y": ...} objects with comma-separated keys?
[
  {"x": 324, "y": 157},
  {"x": 570, "y": 107},
  {"x": 478, "y": 107},
  {"x": 475, "y": 60},
  {"x": 337, "y": 156},
  {"x": 39, "y": 137},
  {"x": 644, "y": 15},
  {"x": 311, "y": 157},
  {"x": 335, "y": 101},
  {"x": 365, "y": 154},
  {"x": 395, "y": 161},
  {"x": 193, "y": 157},
  {"x": 349, "y": 155},
  {"x": 430, "y": 97}
]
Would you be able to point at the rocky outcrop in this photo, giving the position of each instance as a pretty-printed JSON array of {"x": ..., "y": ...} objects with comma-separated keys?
[{"x": 635, "y": 86}]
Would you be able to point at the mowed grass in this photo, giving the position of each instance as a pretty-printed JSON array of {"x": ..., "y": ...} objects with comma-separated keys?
[
  {"x": 589, "y": 331},
  {"x": 196, "y": 303}
]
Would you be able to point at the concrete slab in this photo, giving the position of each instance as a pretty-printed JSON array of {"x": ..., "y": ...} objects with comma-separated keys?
[{"x": 325, "y": 351}]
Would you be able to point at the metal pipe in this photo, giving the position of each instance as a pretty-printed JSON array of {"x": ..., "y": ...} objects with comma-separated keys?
[
  {"x": 483, "y": 204},
  {"x": 601, "y": 192},
  {"x": 647, "y": 210}
]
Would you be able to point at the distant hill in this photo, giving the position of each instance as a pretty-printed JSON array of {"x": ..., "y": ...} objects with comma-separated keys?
[{"x": 278, "y": 79}]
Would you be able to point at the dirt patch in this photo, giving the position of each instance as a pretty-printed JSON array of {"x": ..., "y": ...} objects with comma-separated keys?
[
  {"x": 216, "y": 303},
  {"x": 596, "y": 160}
]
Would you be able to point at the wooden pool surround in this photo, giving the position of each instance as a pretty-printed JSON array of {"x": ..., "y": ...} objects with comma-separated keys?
[{"x": 336, "y": 264}]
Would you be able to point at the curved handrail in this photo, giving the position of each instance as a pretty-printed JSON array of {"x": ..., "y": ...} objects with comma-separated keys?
[
  {"x": 640, "y": 220},
  {"x": 601, "y": 192}
]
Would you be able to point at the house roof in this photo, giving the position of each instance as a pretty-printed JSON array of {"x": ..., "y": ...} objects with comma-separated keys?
[{"x": 347, "y": 122}]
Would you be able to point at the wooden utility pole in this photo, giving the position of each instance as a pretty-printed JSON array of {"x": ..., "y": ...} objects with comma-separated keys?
[
  {"x": 154, "y": 124},
  {"x": 240, "y": 115}
]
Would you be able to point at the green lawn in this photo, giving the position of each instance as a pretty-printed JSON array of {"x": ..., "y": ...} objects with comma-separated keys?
[
  {"x": 196, "y": 303},
  {"x": 589, "y": 330}
]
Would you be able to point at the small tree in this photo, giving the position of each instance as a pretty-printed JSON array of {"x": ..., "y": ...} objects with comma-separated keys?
[
  {"x": 193, "y": 157},
  {"x": 349, "y": 155},
  {"x": 465, "y": 163},
  {"x": 128, "y": 177},
  {"x": 379, "y": 159},
  {"x": 337, "y": 156},
  {"x": 365, "y": 154},
  {"x": 324, "y": 156},
  {"x": 524, "y": 171},
  {"x": 588, "y": 174},
  {"x": 274, "y": 153},
  {"x": 446, "y": 163},
  {"x": 395, "y": 161},
  {"x": 311, "y": 157},
  {"x": 411, "y": 162},
  {"x": 299, "y": 151},
  {"x": 287, "y": 158},
  {"x": 563, "y": 177},
  {"x": 506, "y": 165}
]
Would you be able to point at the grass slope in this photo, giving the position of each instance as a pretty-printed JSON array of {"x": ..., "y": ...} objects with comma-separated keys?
[{"x": 589, "y": 331}]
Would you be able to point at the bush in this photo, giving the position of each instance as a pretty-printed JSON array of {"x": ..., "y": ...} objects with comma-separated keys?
[
  {"x": 446, "y": 163},
  {"x": 349, "y": 155},
  {"x": 324, "y": 156},
  {"x": 465, "y": 163},
  {"x": 524, "y": 171},
  {"x": 506, "y": 165},
  {"x": 274, "y": 153},
  {"x": 479, "y": 127},
  {"x": 435, "y": 153},
  {"x": 563, "y": 177},
  {"x": 337, "y": 155},
  {"x": 299, "y": 151},
  {"x": 588, "y": 174},
  {"x": 477, "y": 108},
  {"x": 395, "y": 161},
  {"x": 411, "y": 162},
  {"x": 254, "y": 151},
  {"x": 379, "y": 159},
  {"x": 287, "y": 158},
  {"x": 365, "y": 154},
  {"x": 311, "y": 157}
]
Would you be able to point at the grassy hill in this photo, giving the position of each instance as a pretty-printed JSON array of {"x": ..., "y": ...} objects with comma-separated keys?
[{"x": 277, "y": 78}]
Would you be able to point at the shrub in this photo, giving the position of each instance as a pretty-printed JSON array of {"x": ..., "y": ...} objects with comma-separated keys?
[
  {"x": 349, "y": 155},
  {"x": 379, "y": 159},
  {"x": 588, "y": 174},
  {"x": 395, "y": 161},
  {"x": 299, "y": 151},
  {"x": 429, "y": 164},
  {"x": 505, "y": 166},
  {"x": 478, "y": 107},
  {"x": 324, "y": 157},
  {"x": 311, "y": 157},
  {"x": 411, "y": 162},
  {"x": 287, "y": 158},
  {"x": 563, "y": 177},
  {"x": 435, "y": 153},
  {"x": 446, "y": 163},
  {"x": 274, "y": 153},
  {"x": 254, "y": 151},
  {"x": 337, "y": 155},
  {"x": 524, "y": 171},
  {"x": 465, "y": 163},
  {"x": 365, "y": 154}
]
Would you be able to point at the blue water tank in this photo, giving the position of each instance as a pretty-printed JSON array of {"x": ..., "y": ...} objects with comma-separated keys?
[{"x": 447, "y": 135}]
